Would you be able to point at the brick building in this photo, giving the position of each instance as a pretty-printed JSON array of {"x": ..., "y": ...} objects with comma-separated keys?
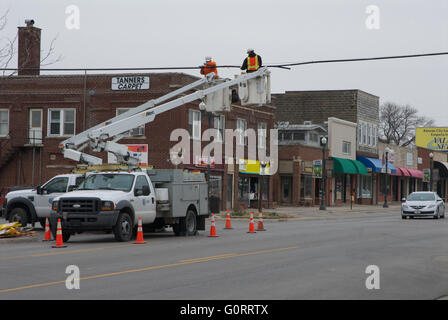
[
  {"x": 37, "y": 112},
  {"x": 355, "y": 106}
]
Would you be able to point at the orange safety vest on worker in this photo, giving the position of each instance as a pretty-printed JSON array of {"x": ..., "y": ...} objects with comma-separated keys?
[
  {"x": 209, "y": 66},
  {"x": 252, "y": 63}
]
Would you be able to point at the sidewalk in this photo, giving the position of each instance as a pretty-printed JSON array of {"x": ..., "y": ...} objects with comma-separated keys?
[{"x": 336, "y": 212}]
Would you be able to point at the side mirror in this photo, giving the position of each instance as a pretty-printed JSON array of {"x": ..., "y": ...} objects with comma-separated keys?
[
  {"x": 39, "y": 190},
  {"x": 138, "y": 192},
  {"x": 145, "y": 190},
  {"x": 438, "y": 200},
  {"x": 403, "y": 199}
]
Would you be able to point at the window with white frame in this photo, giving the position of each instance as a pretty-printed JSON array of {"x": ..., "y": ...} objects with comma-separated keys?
[
  {"x": 359, "y": 133},
  {"x": 374, "y": 136},
  {"x": 136, "y": 132},
  {"x": 61, "y": 122},
  {"x": 369, "y": 134},
  {"x": 364, "y": 133},
  {"x": 262, "y": 127},
  {"x": 4, "y": 122},
  {"x": 241, "y": 127},
  {"x": 346, "y": 147},
  {"x": 219, "y": 124},
  {"x": 194, "y": 124}
]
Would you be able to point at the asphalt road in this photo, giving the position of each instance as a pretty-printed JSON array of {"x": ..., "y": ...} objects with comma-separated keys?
[{"x": 323, "y": 259}]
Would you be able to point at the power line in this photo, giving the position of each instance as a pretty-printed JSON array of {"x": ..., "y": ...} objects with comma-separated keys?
[{"x": 284, "y": 65}]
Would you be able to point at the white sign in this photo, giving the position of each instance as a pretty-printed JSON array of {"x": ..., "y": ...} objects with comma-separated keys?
[
  {"x": 139, "y": 151},
  {"x": 130, "y": 83},
  {"x": 409, "y": 159},
  {"x": 419, "y": 160}
]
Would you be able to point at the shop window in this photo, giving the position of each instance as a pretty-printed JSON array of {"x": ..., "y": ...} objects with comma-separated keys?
[
  {"x": 243, "y": 188},
  {"x": 365, "y": 186},
  {"x": 306, "y": 186}
]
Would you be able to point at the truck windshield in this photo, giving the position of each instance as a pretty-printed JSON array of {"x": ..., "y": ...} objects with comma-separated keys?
[{"x": 122, "y": 182}]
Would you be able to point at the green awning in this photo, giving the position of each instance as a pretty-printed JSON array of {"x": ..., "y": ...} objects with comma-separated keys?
[{"x": 348, "y": 166}]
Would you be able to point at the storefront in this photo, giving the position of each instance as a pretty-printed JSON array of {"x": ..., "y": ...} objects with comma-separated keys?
[
  {"x": 378, "y": 173},
  {"x": 346, "y": 172},
  {"x": 253, "y": 184},
  {"x": 440, "y": 177}
]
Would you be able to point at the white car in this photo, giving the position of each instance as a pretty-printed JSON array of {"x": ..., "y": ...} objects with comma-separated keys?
[{"x": 423, "y": 204}]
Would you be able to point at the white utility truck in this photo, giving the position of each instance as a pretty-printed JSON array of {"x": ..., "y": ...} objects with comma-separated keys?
[
  {"x": 34, "y": 205},
  {"x": 114, "y": 200}
]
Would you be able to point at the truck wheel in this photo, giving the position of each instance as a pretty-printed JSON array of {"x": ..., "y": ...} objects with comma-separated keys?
[
  {"x": 42, "y": 223},
  {"x": 187, "y": 225},
  {"x": 19, "y": 215},
  {"x": 123, "y": 228}
]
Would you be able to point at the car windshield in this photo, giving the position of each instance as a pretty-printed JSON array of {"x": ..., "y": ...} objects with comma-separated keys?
[
  {"x": 122, "y": 182},
  {"x": 421, "y": 197}
]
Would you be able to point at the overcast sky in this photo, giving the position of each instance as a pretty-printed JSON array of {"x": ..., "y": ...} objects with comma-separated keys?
[{"x": 154, "y": 33}]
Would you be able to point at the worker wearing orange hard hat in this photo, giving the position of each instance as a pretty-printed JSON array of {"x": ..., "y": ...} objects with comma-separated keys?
[
  {"x": 209, "y": 66},
  {"x": 253, "y": 61}
]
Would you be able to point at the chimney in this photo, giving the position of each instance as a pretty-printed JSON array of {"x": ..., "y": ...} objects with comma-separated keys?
[{"x": 29, "y": 49}]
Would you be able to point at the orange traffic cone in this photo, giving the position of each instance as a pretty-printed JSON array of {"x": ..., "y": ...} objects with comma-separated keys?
[
  {"x": 47, "y": 231},
  {"x": 260, "y": 226},
  {"x": 228, "y": 223},
  {"x": 213, "y": 228},
  {"x": 251, "y": 223},
  {"x": 59, "y": 241},
  {"x": 139, "y": 232}
]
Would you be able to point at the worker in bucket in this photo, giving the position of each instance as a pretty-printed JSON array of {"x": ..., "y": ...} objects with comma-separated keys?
[
  {"x": 209, "y": 66},
  {"x": 253, "y": 61}
]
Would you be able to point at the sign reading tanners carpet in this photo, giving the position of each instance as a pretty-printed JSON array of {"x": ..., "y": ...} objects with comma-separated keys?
[
  {"x": 130, "y": 83},
  {"x": 432, "y": 138}
]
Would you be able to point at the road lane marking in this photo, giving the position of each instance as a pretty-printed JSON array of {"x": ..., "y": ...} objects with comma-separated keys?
[
  {"x": 54, "y": 253},
  {"x": 180, "y": 263}
]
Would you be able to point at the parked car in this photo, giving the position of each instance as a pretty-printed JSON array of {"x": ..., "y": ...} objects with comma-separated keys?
[{"x": 423, "y": 204}]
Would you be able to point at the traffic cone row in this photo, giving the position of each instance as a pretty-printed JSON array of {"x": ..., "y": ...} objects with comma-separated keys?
[{"x": 260, "y": 226}]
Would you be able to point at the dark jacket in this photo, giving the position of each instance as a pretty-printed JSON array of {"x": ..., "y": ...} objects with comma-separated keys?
[{"x": 252, "y": 54}]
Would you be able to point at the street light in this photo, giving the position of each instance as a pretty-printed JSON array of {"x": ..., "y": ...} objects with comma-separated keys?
[
  {"x": 386, "y": 188},
  {"x": 431, "y": 155},
  {"x": 323, "y": 142},
  {"x": 263, "y": 165}
]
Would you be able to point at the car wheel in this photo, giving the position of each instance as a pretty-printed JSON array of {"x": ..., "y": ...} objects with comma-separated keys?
[
  {"x": 19, "y": 215},
  {"x": 123, "y": 228},
  {"x": 187, "y": 225},
  {"x": 403, "y": 217},
  {"x": 437, "y": 214}
]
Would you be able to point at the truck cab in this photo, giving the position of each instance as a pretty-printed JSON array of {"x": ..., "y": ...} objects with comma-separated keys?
[{"x": 32, "y": 205}]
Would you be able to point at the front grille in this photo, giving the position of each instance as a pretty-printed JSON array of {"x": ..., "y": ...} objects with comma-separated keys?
[
  {"x": 417, "y": 207},
  {"x": 80, "y": 205}
]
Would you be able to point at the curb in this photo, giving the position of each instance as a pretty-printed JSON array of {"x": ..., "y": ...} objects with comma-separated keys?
[{"x": 24, "y": 239}]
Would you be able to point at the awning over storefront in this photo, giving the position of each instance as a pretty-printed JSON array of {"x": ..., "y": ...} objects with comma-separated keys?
[
  {"x": 416, "y": 173},
  {"x": 402, "y": 172},
  {"x": 348, "y": 166},
  {"x": 443, "y": 168},
  {"x": 376, "y": 165}
]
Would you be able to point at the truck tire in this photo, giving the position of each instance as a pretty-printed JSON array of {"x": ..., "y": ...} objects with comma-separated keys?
[
  {"x": 187, "y": 225},
  {"x": 20, "y": 215},
  {"x": 123, "y": 229}
]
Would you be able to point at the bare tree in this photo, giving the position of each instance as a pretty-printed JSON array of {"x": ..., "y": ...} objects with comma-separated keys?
[
  {"x": 8, "y": 49},
  {"x": 398, "y": 123}
]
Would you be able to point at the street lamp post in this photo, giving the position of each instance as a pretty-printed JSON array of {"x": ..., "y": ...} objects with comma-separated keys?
[
  {"x": 431, "y": 155},
  {"x": 386, "y": 187},
  {"x": 323, "y": 142}
]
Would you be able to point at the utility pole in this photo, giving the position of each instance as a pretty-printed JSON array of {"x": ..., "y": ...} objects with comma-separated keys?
[
  {"x": 323, "y": 143},
  {"x": 386, "y": 187}
]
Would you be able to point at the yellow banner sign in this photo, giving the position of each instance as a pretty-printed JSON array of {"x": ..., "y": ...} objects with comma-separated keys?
[
  {"x": 252, "y": 166},
  {"x": 432, "y": 138}
]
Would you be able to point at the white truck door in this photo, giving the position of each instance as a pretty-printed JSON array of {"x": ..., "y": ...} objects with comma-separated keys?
[
  {"x": 52, "y": 189},
  {"x": 144, "y": 200}
]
